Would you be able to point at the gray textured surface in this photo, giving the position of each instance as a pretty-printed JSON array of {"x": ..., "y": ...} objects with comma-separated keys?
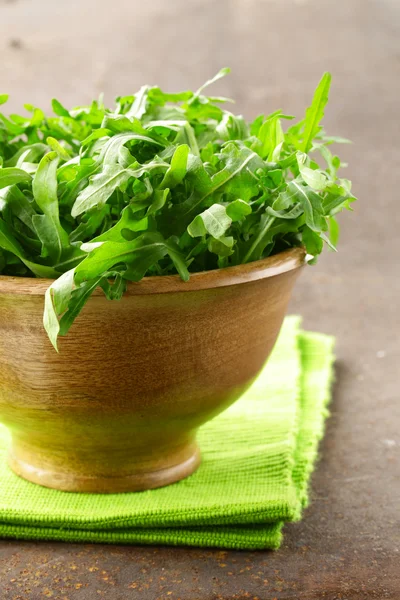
[{"x": 348, "y": 545}]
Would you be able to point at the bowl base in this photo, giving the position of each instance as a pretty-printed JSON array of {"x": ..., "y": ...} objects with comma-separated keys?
[{"x": 135, "y": 482}]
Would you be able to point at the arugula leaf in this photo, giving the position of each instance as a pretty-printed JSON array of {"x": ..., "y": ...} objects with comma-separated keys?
[
  {"x": 89, "y": 224},
  {"x": 30, "y": 153},
  {"x": 56, "y": 147},
  {"x": 312, "y": 177},
  {"x": 111, "y": 149},
  {"x": 178, "y": 168},
  {"x": 221, "y": 246},
  {"x": 221, "y": 73},
  {"x": 100, "y": 189},
  {"x": 238, "y": 210},
  {"x": 292, "y": 213},
  {"x": 312, "y": 241},
  {"x": 139, "y": 255},
  {"x": 48, "y": 227},
  {"x": 11, "y": 176},
  {"x": 271, "y": 136},
  {"x": 78, "y": 298},
  {"x": 114, "y": 290},
  {"x": 138, "y": 108},
  {"x": 59, "y": 109},
  {"x": 262, "y": 236},
  {"x": 213, "y": 220},
  {"x": 235, "y": 160},
  {"x": 57, "y": 298},
  {"x": 311, "y": 204},
  {"x": 232, "y": 128},
  {"x": 315, "y": 113},
  {"x": 128, "y": 221},
  {"x": 161, "y": 183},
  {"x": 334, "y": 231},
  {"x": 177, "y": 258},
  {"x": 7, "y": 240},
  {"x": 20, "y": 206},
  {"x": 268, "y": 230},
  {"x": 109, "y": 253},
  {"x": 9, "y": 243}
]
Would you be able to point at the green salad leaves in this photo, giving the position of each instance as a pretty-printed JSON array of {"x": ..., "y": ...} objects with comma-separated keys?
[{"x": 163, "y": 183}]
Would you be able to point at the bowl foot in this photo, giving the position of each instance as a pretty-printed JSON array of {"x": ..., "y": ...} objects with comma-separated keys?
[{"x": 109, "y": 484}]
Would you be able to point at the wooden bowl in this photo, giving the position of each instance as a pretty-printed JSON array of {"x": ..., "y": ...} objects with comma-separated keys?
[{"x": 118, "y": 408}]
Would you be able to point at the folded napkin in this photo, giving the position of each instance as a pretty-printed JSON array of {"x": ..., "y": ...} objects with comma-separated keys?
[{"x": 257, "y": 460}]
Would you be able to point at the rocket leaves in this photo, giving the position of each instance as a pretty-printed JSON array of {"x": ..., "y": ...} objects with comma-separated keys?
[
  {"x": 315, "y": 112},
  {"x": 213, "y": 221},
  {"x": 163, "y": 183},
  {"x": 11, "y": 175}
]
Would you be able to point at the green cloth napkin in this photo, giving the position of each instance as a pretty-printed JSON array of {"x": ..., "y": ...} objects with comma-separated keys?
[{"x": 257, "y": 460}]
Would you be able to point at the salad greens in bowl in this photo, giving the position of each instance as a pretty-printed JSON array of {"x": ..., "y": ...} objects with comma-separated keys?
[
  {"x": 162, "y": 183},
  {"x": 199, "y": 223}
]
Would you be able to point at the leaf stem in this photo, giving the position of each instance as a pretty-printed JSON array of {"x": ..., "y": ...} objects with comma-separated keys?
[
  {"x": 75, "y": 259},
  {"x": 263, "y": 231}
]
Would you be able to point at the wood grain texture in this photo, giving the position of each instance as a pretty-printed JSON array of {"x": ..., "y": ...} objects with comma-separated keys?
[{"x": 118, "y": 408}]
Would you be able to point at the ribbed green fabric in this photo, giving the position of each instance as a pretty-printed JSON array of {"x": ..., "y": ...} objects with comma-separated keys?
[{"x": 257, "y": 461}]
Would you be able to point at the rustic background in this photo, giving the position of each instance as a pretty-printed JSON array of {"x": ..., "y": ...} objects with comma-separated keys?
[{"x": 348, "y": 545}]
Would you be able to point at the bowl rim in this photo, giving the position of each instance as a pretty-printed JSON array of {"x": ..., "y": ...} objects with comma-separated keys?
[{"x": 285, "y": 261}]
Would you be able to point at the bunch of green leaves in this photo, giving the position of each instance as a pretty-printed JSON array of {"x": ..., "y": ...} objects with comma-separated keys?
[{"x": 161, "y": 183}]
